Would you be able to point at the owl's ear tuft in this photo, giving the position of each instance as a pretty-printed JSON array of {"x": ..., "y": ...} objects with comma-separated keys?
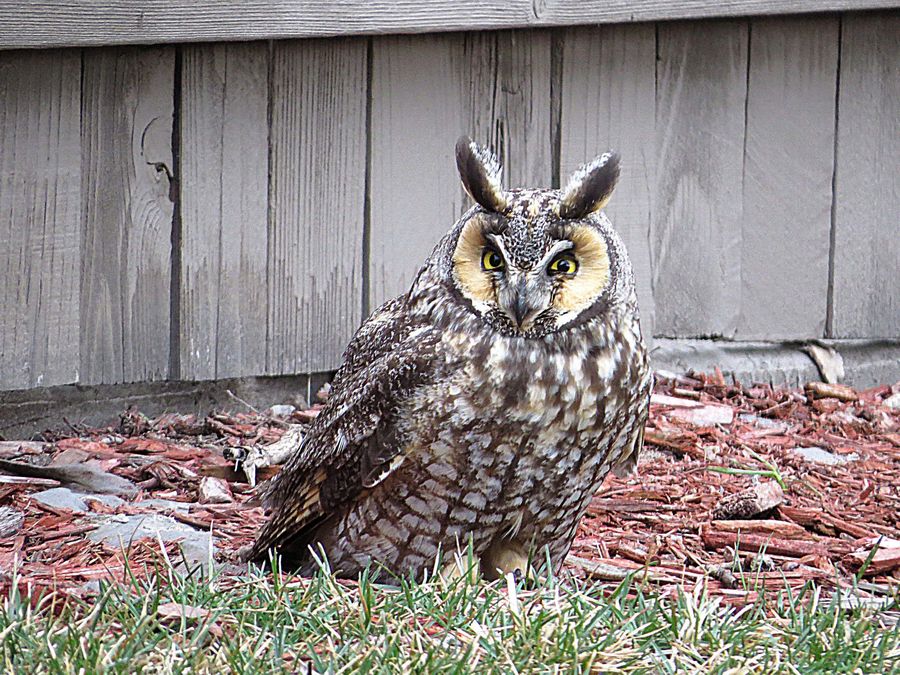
[
  {"x": 480, "y": 172},
  {"x": 590, "y": 188}
]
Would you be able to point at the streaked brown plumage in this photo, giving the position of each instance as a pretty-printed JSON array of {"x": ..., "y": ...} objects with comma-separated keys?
[{"x": 487, "y": 403}]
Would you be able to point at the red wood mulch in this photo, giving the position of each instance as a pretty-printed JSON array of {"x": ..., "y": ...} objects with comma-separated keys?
[{"x": 681, "y": 521}]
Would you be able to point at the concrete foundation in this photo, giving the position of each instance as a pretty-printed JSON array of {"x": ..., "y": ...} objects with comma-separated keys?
[{"x": 27, "y": 413}]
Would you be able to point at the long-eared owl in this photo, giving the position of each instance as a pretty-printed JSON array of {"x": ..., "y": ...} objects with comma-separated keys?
[{"x": 484, "y": 406}]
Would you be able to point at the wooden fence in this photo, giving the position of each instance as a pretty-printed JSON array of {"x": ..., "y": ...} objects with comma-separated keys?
[{"x": 205, "y": 211}]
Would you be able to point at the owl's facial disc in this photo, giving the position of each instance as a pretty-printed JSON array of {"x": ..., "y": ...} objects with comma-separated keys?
[{"x": 532, "y": 297}]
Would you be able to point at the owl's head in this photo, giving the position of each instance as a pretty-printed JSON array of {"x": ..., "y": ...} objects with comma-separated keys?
[{"x": 533, "y": 262}]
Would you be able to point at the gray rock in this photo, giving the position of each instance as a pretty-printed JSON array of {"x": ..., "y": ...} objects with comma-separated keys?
[
  {"x": 61, "y": 498},
  {"x": 91, "y": 587},
  {"x": 195, "y": 544},
  {"x": 281, "y": 410},
  {"x": 162, "y": 505},
  {"x": 822, "y": 456},
  {"x": 763, "y": 422},
  {"x": 85, "y": 477},
  {"x": 108, "y": 500},
  {"x": 11, "y": 521},
  {"x": 892, "y": 401},
  {"x": 214, "y": 490},
  {"x": 64, "y": 498}
]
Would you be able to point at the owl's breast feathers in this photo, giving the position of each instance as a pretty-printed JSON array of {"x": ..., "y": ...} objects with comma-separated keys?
[
  {"x": 576, "y": 388},
  {"x": 411, "y": 372}
]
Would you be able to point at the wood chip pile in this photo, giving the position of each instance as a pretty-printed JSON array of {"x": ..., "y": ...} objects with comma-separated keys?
[
  {"x": 741, "y": 489},
  {"x": 753, "y": 488}
]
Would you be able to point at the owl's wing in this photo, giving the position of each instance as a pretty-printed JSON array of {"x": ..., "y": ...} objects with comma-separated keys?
[
  {"x": 382, "y": 331},
  {"x": 627, "y": 464},
  {"x": 353, "y": 440}
]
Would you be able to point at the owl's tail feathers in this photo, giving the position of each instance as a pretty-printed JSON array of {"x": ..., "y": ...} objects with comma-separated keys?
[{"x": 296, "y": 516}]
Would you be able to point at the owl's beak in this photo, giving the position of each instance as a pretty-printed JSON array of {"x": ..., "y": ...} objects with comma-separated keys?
[{"x": 521, "y": 309}]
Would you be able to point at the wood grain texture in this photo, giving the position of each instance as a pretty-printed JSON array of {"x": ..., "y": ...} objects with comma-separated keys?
[
  {"x": 866, "y": 277},
  {"x": 788, "y": 169},
  {"x": 40, "y": 218},
  {"x": 317, "y": 197},
  {"x": 127, "y": 111},
  {"x": 426, "y": 93},
  {"x": 608, "y": 102},
  {"x": 696, "y": 226},
  {"x": 224, "y": 210},
  {"x": 46, "y": 23}
]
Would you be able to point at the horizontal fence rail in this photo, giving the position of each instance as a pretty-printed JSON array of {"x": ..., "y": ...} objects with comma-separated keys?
[
  {"x": 224, "y": 210},
  {"x": 46, "y": 23}
]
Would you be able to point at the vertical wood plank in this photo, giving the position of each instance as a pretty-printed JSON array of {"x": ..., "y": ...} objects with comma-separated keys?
[
  {"x": 866, "y": 281},
  {"x": 127, "y": 110},
  {"x": 608, "y": 102},
  {"x": 40, "y": 187},
  {"x": 696, "y": 227},
  {"x": 514, "y": 97},
  {"x": 427, "y": 91},
  {"x": 317, "y": 197},
  {"x": 417, "y": 115},
  {"x": 788, "y": 168},
  {"x": 224, "y": 201}
]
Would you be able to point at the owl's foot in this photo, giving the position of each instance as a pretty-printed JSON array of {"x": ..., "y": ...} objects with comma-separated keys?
[
  {"x": 460, "y": 567},
  {"x": 507, "y": 557},
  {"x": 257, "y": 457}
]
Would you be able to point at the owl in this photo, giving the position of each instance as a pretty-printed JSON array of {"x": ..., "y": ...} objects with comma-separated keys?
[{"x": 484, "y": 406}]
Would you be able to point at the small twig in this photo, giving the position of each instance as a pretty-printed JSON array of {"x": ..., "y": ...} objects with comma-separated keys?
[
  {"x": 242, "y": 401},
  {"x": 78, "y": 429},
  {"x": 269, "y": 418},
  {"x": 775, "y": 407}
]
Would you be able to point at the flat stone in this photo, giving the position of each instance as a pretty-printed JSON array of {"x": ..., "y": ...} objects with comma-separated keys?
[
  {"x": 61, "y": 498},
  {"x": 195, "y": 544},
  {"x": 892, "y": 401},
  {"x": 91, "y": 587},
  {"x": 11, "y": 521},
  {"x": 162, "y": 505},
  {"x": 706, "y": 415},
  {"x": 822, "y": 456},
  {"x": 695, "y": 412},
  {"x": 281, "y": 410},
  {"x": 108, "y": 500},
  {"x": 763, "y": 422},
  {"x": 214, "y": 491}
]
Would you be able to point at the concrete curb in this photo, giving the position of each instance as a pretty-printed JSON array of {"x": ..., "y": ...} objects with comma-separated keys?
[
  {"x": 28, "y": 412},
  {"x": 866, "y": 363}
]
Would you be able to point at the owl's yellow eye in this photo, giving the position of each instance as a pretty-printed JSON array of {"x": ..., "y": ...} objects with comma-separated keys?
[
  {"x": 491, "y": 260},
  {"x": 564, "y": 263}
]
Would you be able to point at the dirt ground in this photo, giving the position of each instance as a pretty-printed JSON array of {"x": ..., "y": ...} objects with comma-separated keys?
[{"x": 740, "y": 489}]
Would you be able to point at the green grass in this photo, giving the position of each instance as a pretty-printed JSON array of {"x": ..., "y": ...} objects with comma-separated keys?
[{"x": 279, "y": 623}]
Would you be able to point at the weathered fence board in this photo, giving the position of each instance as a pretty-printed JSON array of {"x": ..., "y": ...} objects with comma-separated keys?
[
  {"x": 414, "y": 193},
  {"x": 509, "y": 104},
  {"x": 40, "y": 187},
  {"x": 43, "y": 23},
  {"x": 608, "y": 102},
  {"x": 127, "y": 111},
  {"x": 696, "y": 228},
  {"x": 314, "y": 177},
  {"x": 495, "y": 87},
  {"x": 788, "y": 169},
  {"x": 224, "y": 177},
  {"x": 317, "y": 193},
  {"x": 866, "y": 252}
]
